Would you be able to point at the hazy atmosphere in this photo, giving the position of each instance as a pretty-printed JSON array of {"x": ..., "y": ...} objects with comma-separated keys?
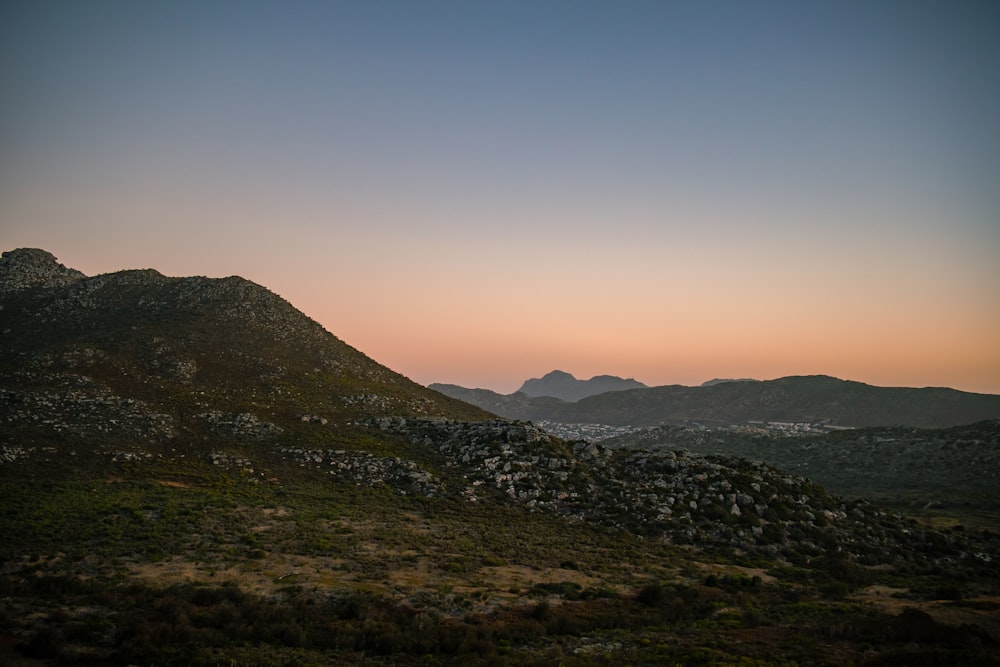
[{"x": 478, "y": 193}]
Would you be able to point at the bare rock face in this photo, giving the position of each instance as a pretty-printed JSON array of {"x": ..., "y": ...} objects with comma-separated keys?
[{"x": 25, "y": 268}]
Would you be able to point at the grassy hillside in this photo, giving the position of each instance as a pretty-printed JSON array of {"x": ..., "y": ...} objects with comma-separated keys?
[{"x": 186, "y": 563}]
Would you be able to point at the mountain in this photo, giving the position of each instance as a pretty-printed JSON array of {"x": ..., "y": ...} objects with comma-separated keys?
[
  {"x": 138, "y": 352},
  {"x": 193, "y": 472},
  {"x": 562, "y": 385},
  {"x": 709, "y": 383},
  {"x": 792, "y": 399}
]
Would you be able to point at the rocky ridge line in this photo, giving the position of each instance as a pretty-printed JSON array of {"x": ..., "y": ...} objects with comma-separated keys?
[{"x": 26, "y": 268}]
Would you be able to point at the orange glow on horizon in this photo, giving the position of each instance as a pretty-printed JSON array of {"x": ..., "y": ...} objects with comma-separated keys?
[{"x": 482, "y": 201}]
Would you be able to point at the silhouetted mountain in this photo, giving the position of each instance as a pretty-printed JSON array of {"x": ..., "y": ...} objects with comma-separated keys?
[
  {"x": 709, "y": 383},
  {"x": 562, "y": 385},
  {"x": 815, "y": 398}
]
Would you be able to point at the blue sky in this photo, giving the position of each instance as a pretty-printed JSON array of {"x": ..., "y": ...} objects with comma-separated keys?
[{"x": 481, "y": 192}]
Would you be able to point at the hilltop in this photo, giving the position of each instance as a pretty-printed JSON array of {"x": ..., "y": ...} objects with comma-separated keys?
[
  {"x": 193, "y": 472},
  {"x": 178, "y": 356},
  {"x": 805, "y": 399}
]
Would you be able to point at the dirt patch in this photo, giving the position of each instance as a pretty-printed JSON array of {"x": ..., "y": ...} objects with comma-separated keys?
[
  {"x": 264, "y": 576},
  {"x": 749, "y": 572},
  {"x": 506, "y": 577}
]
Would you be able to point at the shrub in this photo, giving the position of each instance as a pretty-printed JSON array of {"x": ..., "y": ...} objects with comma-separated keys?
[{"x": 652, "y": 595}]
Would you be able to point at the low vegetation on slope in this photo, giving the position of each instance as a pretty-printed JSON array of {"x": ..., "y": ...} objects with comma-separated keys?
[
  {"x": 186, "y": 561},
  {"x": 503, "y": 546}
]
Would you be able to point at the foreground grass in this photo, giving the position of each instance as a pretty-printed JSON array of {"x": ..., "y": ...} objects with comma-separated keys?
[{"x": 183, "y": 564}]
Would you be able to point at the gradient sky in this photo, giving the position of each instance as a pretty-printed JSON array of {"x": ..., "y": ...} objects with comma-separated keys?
[{"x": 481, "y": 192}]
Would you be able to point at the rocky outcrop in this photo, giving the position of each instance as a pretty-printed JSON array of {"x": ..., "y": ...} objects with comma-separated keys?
[
  {"x": 25, "y": 268},
  {"x": 719, "y": 502},
  {"x": 242, "y": 425},
  {"x": 363, "y": 468},
  {"x": 87, "y": 413}
]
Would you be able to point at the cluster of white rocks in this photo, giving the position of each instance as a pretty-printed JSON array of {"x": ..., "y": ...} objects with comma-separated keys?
[
  {"x": 232, "y": 461},
  {"x": 492, "y": 455},
  {"x": 370, "y": 401},
  {"x": 241, "y": 425},
  {"x": 90, "y": 412},
  {"x": 25, "y": 268},
  {"x": 378, "y": 403},
  {"x": 9, "y": 454},
  {"x": 366, "y": 469}
]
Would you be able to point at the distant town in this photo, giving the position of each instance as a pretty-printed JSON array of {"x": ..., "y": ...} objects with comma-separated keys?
[{"x": 598, "y": 432}]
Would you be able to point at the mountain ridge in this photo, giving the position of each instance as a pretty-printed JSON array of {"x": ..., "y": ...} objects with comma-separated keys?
[{"x": 802, "y": 398}]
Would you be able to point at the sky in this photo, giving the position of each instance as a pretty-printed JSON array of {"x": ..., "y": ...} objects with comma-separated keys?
[{"x": 481, "y": 192}]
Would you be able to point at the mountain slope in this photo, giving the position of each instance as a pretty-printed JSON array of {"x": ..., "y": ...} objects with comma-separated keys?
[
  {"x": 135, "y": 351},
  {"x": 791, "y": 399},
  {"x": 562, "y": 385},
  {"x": 510, "y": 406}
]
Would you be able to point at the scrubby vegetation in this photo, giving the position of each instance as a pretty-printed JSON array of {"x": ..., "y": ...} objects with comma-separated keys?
[{"x": 196, "y": 567}]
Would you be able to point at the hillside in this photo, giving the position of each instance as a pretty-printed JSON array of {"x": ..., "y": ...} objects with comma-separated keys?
[
  {"x": 934, "y": 469},
  {"x": 192, "y": 472},
  {"x": 177, "y": 359},
  {"x": 792, "y": 399}
]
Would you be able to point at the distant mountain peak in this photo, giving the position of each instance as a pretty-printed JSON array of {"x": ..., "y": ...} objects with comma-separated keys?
[
  {"x": 25, "y": 268},
  {"x": 713, "y": 381},
  {"x": 564, "y": 386}
]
